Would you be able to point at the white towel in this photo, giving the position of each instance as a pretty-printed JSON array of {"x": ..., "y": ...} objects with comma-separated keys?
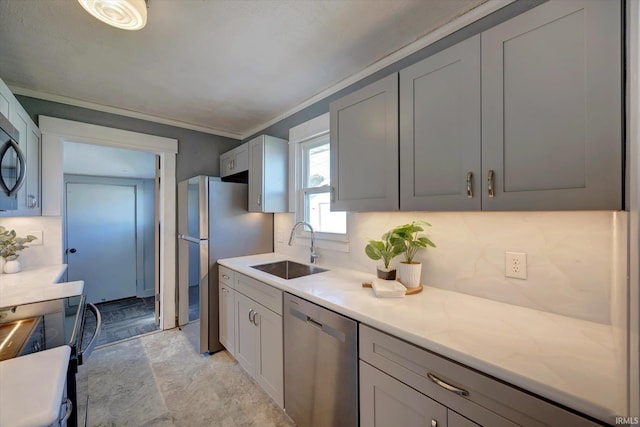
[{"x": 388, "y": 288}]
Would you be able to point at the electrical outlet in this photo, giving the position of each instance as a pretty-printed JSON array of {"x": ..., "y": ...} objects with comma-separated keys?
[
  {"x": 515, "y": 265},
  {"x": 280, "y": 236}
]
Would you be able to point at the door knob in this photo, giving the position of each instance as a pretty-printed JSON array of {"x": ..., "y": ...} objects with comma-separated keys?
[{"x": 72, "y": 250}]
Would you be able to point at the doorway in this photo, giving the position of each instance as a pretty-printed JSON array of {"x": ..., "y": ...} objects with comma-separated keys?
[
  {"x": 110, "y": 235},
  {"x": 55, "y": 132}
]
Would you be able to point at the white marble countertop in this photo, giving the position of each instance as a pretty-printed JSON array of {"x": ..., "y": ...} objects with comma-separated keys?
[
  {"x": 567, "y": 360},
  {"x": 34, "y": 284},
  {"x": 31, "y": 388}
]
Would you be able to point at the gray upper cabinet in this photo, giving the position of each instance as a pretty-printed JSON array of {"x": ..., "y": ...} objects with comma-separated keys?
[
  {"x": 440, "y": 130},
  {"x": 268, "y": 165},
  {"x": 551, "y": 108},
  {"x": 234, "y": 161},
  {"x": 364, "y": 148}
]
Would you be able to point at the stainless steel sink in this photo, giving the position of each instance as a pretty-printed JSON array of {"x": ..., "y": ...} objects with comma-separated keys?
[{"x": 288, "y": 269}]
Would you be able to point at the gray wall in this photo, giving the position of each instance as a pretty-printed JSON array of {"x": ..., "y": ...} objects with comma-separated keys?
[
  {"x": 198, "y": 152},
  {"x": 281, "y": 128}
]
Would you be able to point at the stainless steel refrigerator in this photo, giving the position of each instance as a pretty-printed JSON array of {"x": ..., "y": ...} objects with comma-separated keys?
[{"x": 213, "y": 223}]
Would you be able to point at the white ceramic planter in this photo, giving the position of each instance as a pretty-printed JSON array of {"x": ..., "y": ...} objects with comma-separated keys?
[
  {"x": 410, "y": 274},
  {"x": 12, "y": 267},
  {"x": 2, "y": 263}
]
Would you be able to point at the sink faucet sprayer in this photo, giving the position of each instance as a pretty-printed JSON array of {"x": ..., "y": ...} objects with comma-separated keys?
[{"x": 313, "y": 256}]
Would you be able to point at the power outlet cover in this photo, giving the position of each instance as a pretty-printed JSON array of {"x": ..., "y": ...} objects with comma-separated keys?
[{"x": 515, "y": 265}]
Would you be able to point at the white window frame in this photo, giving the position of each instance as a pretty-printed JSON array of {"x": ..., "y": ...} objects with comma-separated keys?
[{"x": 316, "y": 133}]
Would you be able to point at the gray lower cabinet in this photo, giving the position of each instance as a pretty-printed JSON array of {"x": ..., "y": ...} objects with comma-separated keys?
[
  {"x": 364, "y": 148},
  {"x": 386, "y": 402},
  {"x": 440, "y": 130},
  {"x": 551, "y": 108},
  {"x": 402, "y": 384},
  {"x": 259, "y": 335},
  {"x": 268, "y": 166},
  {"x": 227, "y": 302}
]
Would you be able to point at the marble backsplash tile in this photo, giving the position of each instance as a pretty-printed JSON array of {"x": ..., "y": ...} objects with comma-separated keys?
[
  {"x": 47, "y": 253},
  {"x": 569, "y": 255}
]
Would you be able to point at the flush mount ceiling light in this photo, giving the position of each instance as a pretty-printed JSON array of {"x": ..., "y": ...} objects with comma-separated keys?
[{"x": 124, "y": 14}]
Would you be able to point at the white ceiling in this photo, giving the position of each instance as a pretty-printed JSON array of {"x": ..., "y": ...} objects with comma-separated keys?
[{"x": 223, "y": 66}]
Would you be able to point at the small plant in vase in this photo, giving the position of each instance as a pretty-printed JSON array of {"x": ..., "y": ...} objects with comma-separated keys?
[
  {"x": 385, "y": 249},
  {"x": 407, "y": 236},
  {"x": 10, "y": 246}
]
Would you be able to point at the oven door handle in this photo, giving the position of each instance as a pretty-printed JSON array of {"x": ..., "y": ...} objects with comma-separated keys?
[
  {"x": 21, "y": 168},
  {"x": 85, "y": 353}
]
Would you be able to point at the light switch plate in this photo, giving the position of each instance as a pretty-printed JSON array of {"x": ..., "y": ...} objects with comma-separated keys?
[
  {"x": 280, "y": 236},
  {"x": 38, "y": 240},
  {"x": 515, "y": 265}
]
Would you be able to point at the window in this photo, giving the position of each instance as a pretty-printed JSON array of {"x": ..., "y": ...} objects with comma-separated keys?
[{"x": 314, "y": 195}]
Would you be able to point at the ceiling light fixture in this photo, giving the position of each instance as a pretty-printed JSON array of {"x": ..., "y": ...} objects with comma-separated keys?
[{"x": 124, "y": 14}]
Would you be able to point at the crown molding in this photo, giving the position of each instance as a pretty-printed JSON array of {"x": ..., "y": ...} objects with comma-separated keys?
[{"x": 119, "y": 111}]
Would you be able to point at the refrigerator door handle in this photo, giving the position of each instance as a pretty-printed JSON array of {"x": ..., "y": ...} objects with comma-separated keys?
[{"x": 189, "y": 239}]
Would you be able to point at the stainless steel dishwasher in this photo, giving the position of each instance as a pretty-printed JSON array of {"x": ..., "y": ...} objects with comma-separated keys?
[{"x": 320, "y": 365}]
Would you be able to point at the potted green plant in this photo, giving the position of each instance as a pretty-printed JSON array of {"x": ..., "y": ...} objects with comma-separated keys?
[
  {"x": 10, "y": 246},
  {"x": 407, "y": 236},
  {"x": 387, "y": 248}
]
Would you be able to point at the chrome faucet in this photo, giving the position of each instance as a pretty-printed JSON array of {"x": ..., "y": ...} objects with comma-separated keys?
[{"x": 313, "y": 256}]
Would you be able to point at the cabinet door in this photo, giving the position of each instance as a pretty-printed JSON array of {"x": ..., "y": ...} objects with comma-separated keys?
[
  {"x": 256, "y": 171},
  {"x": 246, "y": 349},
  {"x": 269, "y": 368},
  {"x": 386, "y": 402},
  {"x": 456, "y": 420},
  {"x": 241, "y": 158},
  {"x": 364, "y": 148},
  {"x": 440, "y": 130},
  {"x": 227, "y": 318},
  {"x": 5, "y": 100},
  {"x": 551, "y": 108},
  {"x": 226, "y": 164},
  {"x": 32, "y": 181}
]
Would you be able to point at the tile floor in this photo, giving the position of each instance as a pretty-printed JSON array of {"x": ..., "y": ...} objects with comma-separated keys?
[{"x": 160, "y": 379}]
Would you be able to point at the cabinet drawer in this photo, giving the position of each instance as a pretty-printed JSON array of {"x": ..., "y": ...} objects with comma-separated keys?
[
  {"x": 487, "y": 397},
  {"x": 226, "y": 275},
  {"x": 266, "y": 295}
]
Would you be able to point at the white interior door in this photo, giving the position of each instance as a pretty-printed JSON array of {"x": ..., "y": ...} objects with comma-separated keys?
[{"x": 101, "y": 239}]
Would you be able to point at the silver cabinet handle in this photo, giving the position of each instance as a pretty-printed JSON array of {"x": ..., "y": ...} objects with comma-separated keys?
[
  {"x": 224, "y": 276},
  {"x": 434, "y": 423},
  {"x": 333, "y": 194},
  {"x": 259, "y": 199},
  {"x": 233, "y": 164},
  {"x": 456, "y": 390},
  {"x": 250, "y": 312},
  {"x": 470, "y": 185},
  {"x": 490, "y": 183},
  {"x": 225, "y": 290},
  {"x": 33, "y": 201},
  {"x": 255, "y": 315}
]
